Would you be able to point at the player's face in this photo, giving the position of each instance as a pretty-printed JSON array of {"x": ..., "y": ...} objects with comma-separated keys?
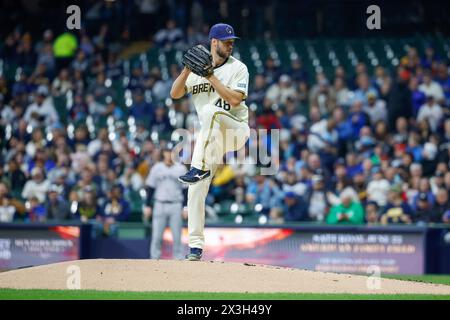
[
  {"x": 167, "y": 156},
  {"x": 224, "y": 48}
]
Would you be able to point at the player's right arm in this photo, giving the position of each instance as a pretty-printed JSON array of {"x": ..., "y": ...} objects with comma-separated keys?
[{"x": 179, "y": 85}]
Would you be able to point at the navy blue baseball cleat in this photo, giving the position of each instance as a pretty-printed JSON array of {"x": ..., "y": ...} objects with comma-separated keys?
[
  {"x": 195, "y": 254},
  {"x": 194, "y": 175}
]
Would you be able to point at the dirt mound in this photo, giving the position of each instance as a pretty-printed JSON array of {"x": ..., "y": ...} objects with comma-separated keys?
[{"x": 205, "y": 276}]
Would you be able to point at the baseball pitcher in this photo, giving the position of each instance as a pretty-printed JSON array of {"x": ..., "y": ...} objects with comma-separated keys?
[{"x": 218, "y": 83}]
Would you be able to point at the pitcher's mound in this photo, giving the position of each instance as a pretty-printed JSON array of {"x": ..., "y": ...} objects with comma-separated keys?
[{"x": 204, "y": 276}]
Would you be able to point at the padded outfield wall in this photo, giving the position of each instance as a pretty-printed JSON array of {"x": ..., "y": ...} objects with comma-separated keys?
[{"x": 344, "y": 249}]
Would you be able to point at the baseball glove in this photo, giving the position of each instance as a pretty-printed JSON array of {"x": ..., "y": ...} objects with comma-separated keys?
[{"x": 199, "y": 60}]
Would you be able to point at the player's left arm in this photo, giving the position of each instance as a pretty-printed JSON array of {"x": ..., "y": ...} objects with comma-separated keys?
[{"x": 236, "y": 92}]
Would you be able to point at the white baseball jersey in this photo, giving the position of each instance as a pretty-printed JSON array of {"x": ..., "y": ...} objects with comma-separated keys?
[{"x": 234, "y": 75}]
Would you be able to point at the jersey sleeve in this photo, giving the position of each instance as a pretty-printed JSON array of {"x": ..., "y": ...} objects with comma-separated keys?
[
  {"x": 152, "y": 177},
  {"x": 240, "y": 81},
  {"x": 189, "y": 83}
]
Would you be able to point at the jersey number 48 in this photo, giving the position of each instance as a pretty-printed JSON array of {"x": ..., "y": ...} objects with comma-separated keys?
[{"x": 223, "y": 104}]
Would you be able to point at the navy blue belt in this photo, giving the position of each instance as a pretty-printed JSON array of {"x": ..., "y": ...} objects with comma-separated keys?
[{"x": 168, "y": 201}]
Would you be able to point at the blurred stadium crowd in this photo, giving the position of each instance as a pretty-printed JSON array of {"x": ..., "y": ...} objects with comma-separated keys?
[{"x": 355, "y": 147}]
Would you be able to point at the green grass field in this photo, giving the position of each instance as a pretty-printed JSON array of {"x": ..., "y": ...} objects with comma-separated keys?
[{"x": 11, "y": 294}]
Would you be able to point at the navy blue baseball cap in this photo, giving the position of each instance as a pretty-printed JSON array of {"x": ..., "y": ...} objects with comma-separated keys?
[{"x": 222, "y": 31}]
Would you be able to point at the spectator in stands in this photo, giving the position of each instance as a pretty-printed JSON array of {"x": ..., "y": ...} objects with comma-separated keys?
[
  {"x": 411, "y": 60},
  {"x": 57, "y": 208},
  {"x": 340, "y": 180},
  {"x": 222, "y": 183},
  {"x": 95, "y": 145},
  {"x": 78, "y": 82},
  {"x": 378, "y": 188},
  {"x": 272, "y": 72},
  {"x": 398, "y": 101},
  {"x": 443, "y": 78},
  {"x": 115, "y": 209},
  {"x": 323, "y": 139},
  {"x": 364, "y": 89},
  {"x": 295, "y": 208},
  {"x": 97, "y": 110},
  {"x": 349, "y": 211},
  {"x": 446, "y": 217},
  {"x": 170, "y": 37},
  {"x": 423, "y": 211},
  {"x": 79, "y": 110},
  {"x": 131, "y": 180},
  {"x": 344, "y": 130},
  {"x": 86, "y": 45},
  {"x": 15, "y": 177},
  {"x": 360, "y": 186},
  {"x": 80, "y": 63},
  {"x": 161, "y": 123},
  {"x": 25, "y": 55},
  {"x": 7, "y": 209},
  {"x": 291, "y": 117},
  {"x": 64, "y": 49},
  {"x": 342, "y": 93},
  {"x": 41, "y": 160},
  {"x": 430, "y": 57},
  {"x": 381, "y": 80},
  {"x": 437, "y": 181},
  {"x": 418, "y": 97},
  {"x": 142, "y": 110},
  {"x": 429, "y": 158},
  {"x": 77, "y": 192},
  {"x": 431, "y": 112},
  {"x": 375, "y": 108},
  {"x": 372, "y": 213},
  {"x": 42, "y": 112},
  {"x": 37, "y": 187},
  {"x": 267, "y": 118},
  {"x": 424, "y": 188},
  {"x": 396, "y": 210},
  {"x": 8, "y": 51},
  {"x": 446, "y": 136},
  {"x": 358, "y": 117},
  {"x": 113, "y": 66},
  {"x": 62, "y": 84},
  {"x": 323, "y": 95},
  {"x": 47, "y": 59},
  {"x": 258, "y": 93},
  {"x": 317, "y": 200},
  {"x": 36, "y": 210},
  {"x": 99, "y": 89},
  {"x": 88, "y": 209},
  {"x": 431, "y": 88},
  {"x": 265, "y": 192},
  {"x": 297, "y": 72},
  {"x": 279, "y": 92},
  {"x": 441, "y": 205}
]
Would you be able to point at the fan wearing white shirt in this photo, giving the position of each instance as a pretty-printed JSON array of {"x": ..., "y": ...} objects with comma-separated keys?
[
  {"x": 430, "y": 87},
  {"x": 431, "y": 112}
]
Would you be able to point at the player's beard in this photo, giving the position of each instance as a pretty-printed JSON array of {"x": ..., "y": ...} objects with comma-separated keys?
[{"x": 223, "y": 54}]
